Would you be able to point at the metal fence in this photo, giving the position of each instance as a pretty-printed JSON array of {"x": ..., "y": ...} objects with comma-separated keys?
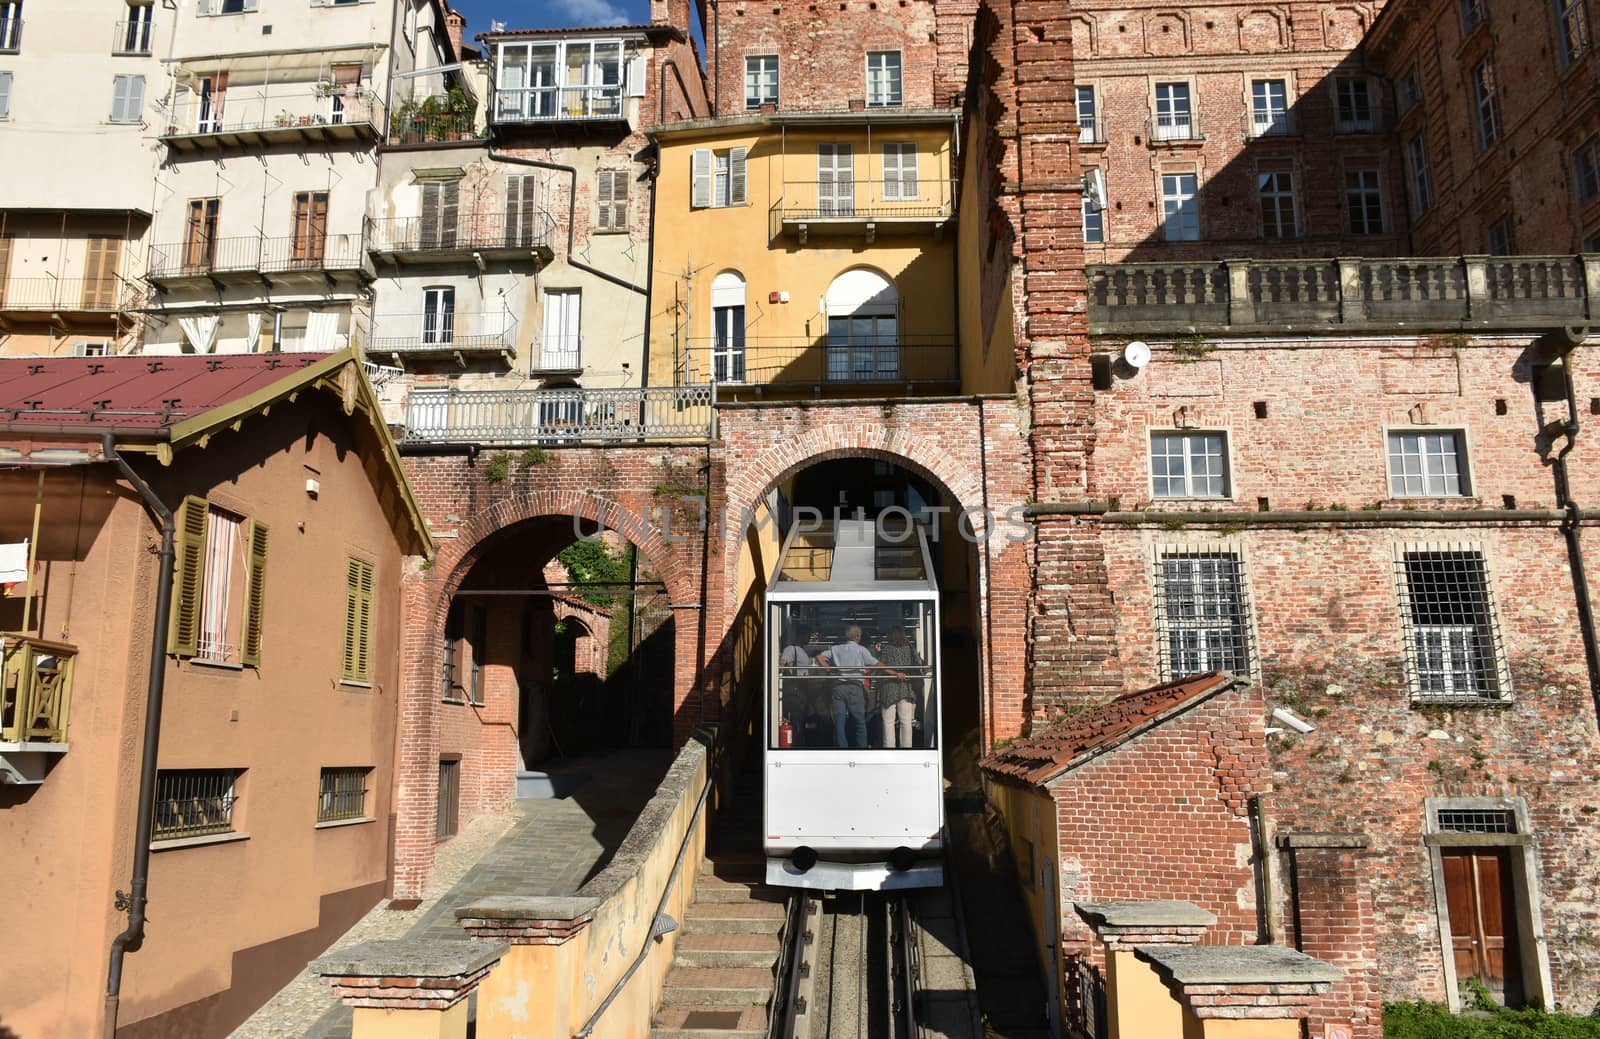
[
  {"x": 886, "y": 197},
  {"x": 556, "y": 417},
  {"x": 245, "y": 253},
  {"x": 558, "y": 104},
  {"x": 343, "y": 794},
  {"x": 771, "y": 361},
  {"x": 46, "y": 293},
  {"x": 194, "y": 803},
  {"x": 471, "y": 229},
  {"x": 266, "y": 108}
]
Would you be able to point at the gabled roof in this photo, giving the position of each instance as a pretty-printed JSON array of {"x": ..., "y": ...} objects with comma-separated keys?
[
  {"x": 162, "y": 405},
  {"x": 1048, "y": 754}
]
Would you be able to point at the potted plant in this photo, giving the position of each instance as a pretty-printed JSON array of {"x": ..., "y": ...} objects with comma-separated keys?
[
  {"x": 463, "y": 109},
  {"x": 283, "y": 119},
  {"x": 432, "y": 111}
]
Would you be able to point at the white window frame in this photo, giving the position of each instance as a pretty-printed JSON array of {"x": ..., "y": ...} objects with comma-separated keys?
[
  {"x": 719, "y": 179},
  {"x": 1572, "y": 30},
  {"x": 1243, "y": 628},
  {"x": 1089, "y": 130},
  {"x": 1485, "y": 104},
  {"x": 1413, "y": 635},
  {"x": 760, "y": 80},
  {"x": 1421, "y": 174},
  {"x": 1169, "y": 123},
  {"x": 1094, "y": 222},
  {"x": 127, "y": 101},
  {"x": 1189, "y": 440},
  {"x": 1358, "y": 196},
  {"x": 886, "y": 83},
  {"x": 900, "y": 182},
  {"x": 1272, "y": 191},
  {"x": 554, "y": 101},
  {"x": 10, "y": 26},
  {"x": 1431, "y": 463},
  {"x": 224, "y": 570},
  {"x": 1180, "y": 211},
  {"x": 1355, "y": 123},
  {"x": 729, "y": 352},
  {"x": 135, "y": 35},
  {"x": 7, "y": 81},
  {"x": 1269, "y": 115},
  {"x": 438, "y": 315}
]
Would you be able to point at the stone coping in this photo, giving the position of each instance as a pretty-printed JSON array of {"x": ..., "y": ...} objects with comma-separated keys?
[
  {"x": 411, "y": 958},
  {"x": 1238, "y": 965},
  {"x": 1144, "y": 915},
  {"x": 517, "y": 907},
  {"x": 1292, "y": 839}
]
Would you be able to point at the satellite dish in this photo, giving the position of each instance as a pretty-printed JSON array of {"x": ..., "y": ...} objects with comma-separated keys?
[{"x": 1136, "y": 354}]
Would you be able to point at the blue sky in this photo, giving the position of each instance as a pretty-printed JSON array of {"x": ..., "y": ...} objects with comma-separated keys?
[{"x": 540, "y": 14}]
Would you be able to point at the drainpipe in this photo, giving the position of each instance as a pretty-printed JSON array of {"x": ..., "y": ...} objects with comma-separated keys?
[
  {"x": 1569, "y": 529},
  {"x": 650, "y": 262},
  {"x": 134, "y": 901}
]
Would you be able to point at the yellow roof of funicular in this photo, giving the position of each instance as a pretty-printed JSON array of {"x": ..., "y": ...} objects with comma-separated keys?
[{"x": 852, "y": 555}]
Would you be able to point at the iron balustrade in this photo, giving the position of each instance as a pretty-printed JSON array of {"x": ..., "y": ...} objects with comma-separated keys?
[
  {"x": 556, "y": 417},
  {"x": 1389, "y": 292},
  {"x": 908, "y": 198},
  {"x": 87, "y": 294},
  {"x": 471, "y": 230},
  {"x": 1174, "y": 127},
  {"x": 422, "y": 127},
  {"x": 250, "y": 253},
  {"x": 131, "y": 37},
  {"x": 559, "y": 353},
  {"x": 243, "y": 109},
  {"x": 559, "y": 104},
  {"x": 434, "y": 331},
  {"x": 770, "y": 361},
  {"x": 331, "y": 252},
  {"x": 35, "y": 688}
]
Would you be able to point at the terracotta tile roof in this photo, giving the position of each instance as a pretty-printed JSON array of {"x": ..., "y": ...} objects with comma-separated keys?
[
  {"x": 671, "y": 31},
  {"x": 1061, "y": 747}
]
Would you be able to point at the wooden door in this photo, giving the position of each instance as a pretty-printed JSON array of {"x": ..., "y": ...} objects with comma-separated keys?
[
  {"x": 5, "y": 264},
  {"x": 310, "y": 226},
  {"x": 100, "y": 273},
  {"x": 1483, "y": 926},
  {"x": 200, "y": 244}
]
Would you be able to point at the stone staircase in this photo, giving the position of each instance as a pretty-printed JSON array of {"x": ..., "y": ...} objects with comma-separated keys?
[{"x": 722, "y": 972}]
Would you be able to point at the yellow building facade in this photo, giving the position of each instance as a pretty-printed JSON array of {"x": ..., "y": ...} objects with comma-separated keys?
[{"x": 807, "y": 254}]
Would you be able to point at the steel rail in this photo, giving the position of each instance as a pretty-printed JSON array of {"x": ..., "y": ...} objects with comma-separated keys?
[{"x": 786, "y": 1003}]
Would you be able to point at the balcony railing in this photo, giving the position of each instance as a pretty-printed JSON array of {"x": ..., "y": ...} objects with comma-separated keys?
[
  {"x": 420, "y": 127},
  {"x": 1174, "y": 128},
  {"x": 559, "y": 104},
  {"x": 264, "y": 110},
  {"x": 96, "y": 295},
  {"x": 818, "y": 204},
  {"x": 131, "y": 37},
  {"x": 35, "y": 689},
  {"x": 250, "y": 254},
  {"x": 443, "y": 333},
  {"x": 559, "y": 353},
  {"x": 1092, "y": 130},
  {"x": 556, "y": 417},
  {"x": 1277, "y": 122},
  {"x": 1512, "y": 292},
  {"x": 473, "y": 231},
  {"x": 803, "y": 361}
]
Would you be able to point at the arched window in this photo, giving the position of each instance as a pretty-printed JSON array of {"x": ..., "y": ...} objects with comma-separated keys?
[
  {"x": 727, "y": 322},
  {"x": 863, "y": 327}
]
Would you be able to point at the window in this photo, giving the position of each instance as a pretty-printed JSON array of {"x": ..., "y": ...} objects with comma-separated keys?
[
  {"x": 611, "y": 194},
  {"x": 478, "y": 646},
  {"x": 727, "y": 322},
  {"x": 1094, "y": 222},
  {"x": 883, "y": 79},
  {"x": 10, "y": 25},
  {"x": 1363, "y": 197},
  {"x": 1452, "y": 640},
  {"x": 863, "y": 311},
  {"x": 522, "y": 211},
  {"x": 1354, "y": 99},
  {"x": 1088, "y": 117},
  {"x": 1180, "y": 207},
  {"x": 194, "y": 803},
  {"x": 1500, "y": 240},
  {"x": 900, "y": 171},
  {"x": 761, "y": 81},
  {"x": 1189, "y": 465},
  {"x": 1573, "y": 26},
  {"x": 1410, "y": 90},
  {"x": 5, "y": 95},
  {"x": 718, "y": 178},
  {"x": 1174, "y": 118},
  {"x": 218, "y": 585},
  {"x": 357, "y": 657},
  {"x": 836, "y": 183},
  {"x": 226, "y": 6},
  {"x": 1277, "y": 204},
  {"x": 561, "y": 340},
  {"x": 1201, "y": 613},
  {"x": 134, "y": 37},
  {"x": 92, "y": 348},
  {"x": 440, "y": 208},
  {"x": 1426, "y": 464},
  {"x": 343, "y": 795},
  {"x": 1269, "y": 107},
  {"x": 449, "y": 808},
  {"x": 127, "y": 99},
  {"x": 347, "y": 84},
  {"x": 452, "y": 655},
  {"x": 568, "y": 79},
  {"x": 1486, "y": 103},
  {"x": 1586, "y": 170},
  {"x": 1473, "y": 15},
  {"x": 1421, "y": 177},
  {"x": 102, "y": 255},
  {"x": 310, "y": 244},
  {"x": 438, "y": 315},
  {"x": 208, "y": 113}
]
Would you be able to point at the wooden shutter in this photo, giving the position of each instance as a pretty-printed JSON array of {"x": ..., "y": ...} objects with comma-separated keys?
[
  {"x": 449, "y": 214},
  {"x": 522, "y": 205},
  {"x": 429, "y": 238},
  {"x": 100, "y": 272},
  {"x": 255, "y": 595},
  {"x": 358, "y": 621},
  {"x": 736, "y": 176},
  {"x": 188, "y": 577},
  {"x": 5, "y": 263},
  {"x": 700, "y": 179}
]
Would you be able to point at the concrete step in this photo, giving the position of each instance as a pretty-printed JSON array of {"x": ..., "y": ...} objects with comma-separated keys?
[
  {"x": 718, "y": 986},
  {"x": 747, "y": 856},
  {"x": 709, "y": 1022},
  {"x": 712, "y": 888},
  {"x": 712, "y": 949},
  {"x": 735, "y": 918}
]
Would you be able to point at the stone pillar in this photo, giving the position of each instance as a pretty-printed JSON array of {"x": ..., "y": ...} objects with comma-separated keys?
[
  {"x": 1239, "y": 992},
  {"x": 409, "y": 989},
  {"x": 1137, "y": 1003},
  {"x": 532, "y": 992}
]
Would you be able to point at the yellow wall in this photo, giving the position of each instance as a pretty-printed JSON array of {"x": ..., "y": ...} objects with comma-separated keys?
[
  {"x": 693, "y": 246},
  {"x": 1030, "y": 816},
  {"x": 988, "y": 362}
]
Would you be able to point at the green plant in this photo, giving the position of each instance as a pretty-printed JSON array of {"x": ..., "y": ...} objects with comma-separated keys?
[
  {"x": 535, "y": 456},
  {"x": 1174, "y": 521},
  {"x": 595, "y": 563},
  {"x": 1421, "y": 1020},
  {"x": 426, "y": 565},
  {"x": 498, "y": 469},
  {"x": 1192, "y": 347}
]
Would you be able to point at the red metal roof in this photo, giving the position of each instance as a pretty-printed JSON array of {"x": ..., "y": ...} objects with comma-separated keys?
[
  {"x": 131, "y": 393},
  {"x": 1063, "y": 746}
]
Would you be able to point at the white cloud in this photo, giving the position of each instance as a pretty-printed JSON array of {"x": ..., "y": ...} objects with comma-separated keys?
[{"x": 590, "y": 12}]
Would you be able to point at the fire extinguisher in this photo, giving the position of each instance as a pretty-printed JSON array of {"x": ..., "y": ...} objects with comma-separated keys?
[{"x": 785, "y": 734}]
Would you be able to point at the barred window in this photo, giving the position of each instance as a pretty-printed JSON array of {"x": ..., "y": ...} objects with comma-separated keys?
[
  {"x": 194, "y": 803},
  {"x": 1202, "y": 614},
  {"x": 343, "y": 794},
  {"x": 1189, "y": 465},
  {"x": 1426, "y": 465},
  {"x": 1474, "y": 820},
  {"x": 1453, "y": 644}
]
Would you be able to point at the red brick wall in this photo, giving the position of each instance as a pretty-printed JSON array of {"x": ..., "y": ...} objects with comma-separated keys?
[{"x": 1335, "y": 921}]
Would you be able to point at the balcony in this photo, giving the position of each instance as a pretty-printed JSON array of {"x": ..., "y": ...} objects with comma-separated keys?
[
  {"x": 1265, "y": 297},
  {"x": 131, "y": 38},
  {"x": 580, "y": 104},
  {"x": 854, "y": 368},
  {"x": 423, "y": 127},
  {"x": 455, "y": 335},
  {"x": 35, "y": 700},
  {"x": 64, "y": 299},
  {"x": 559, "y": 354},
  {"x": 250, "y": 258},
  {"x": 309, "y": 115},
  {"x": 863, "y": 208},
  {"x": 1175, "y": 128},
  {"x": 490, "y": 234},
  {"x": 515, "y": 418}
]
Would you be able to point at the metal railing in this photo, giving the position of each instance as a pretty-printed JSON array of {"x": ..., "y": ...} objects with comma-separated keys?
[
  {"x": 193, "y": 803},
  {"x": 558, "y": 353},
  {"x": 88, "y": 294},
  {"x": 1092, "y": 130},
  {"x": 886, "y": 198},
  {"x": 248, "y": 253},
  {"x": 1174, "y": 128},
  {"x": 1272, "y": 122},
  {"x": 1392, "y": 293},
  {"x": 777, "y": 360},
  {"x": 343, "y": 794},
  {"x": 131, "y": 37},
  {"x": 558, "y": 104},
  {"x": 465, "y": 331},
  {"x": 555, "y": 417},
  {"x": 35, "y": 688},
  {"x": 255, "y": 109},
  {"x": 472, "y": 230},
  {"x": 421, "y": 127}
]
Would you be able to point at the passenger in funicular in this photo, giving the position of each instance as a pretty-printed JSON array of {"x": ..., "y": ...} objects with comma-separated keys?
[
  {"x": 896, "y": 698},
  {"x": 853, "y": 662}
]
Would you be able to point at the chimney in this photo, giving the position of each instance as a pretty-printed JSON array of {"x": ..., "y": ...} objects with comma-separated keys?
[
  {"x": 670, "y": 12},
  {"x": 454, "y": 22}
]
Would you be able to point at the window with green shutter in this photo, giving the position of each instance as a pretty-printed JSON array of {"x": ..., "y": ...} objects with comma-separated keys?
[
  {"x": 255, "y": 593},
  {"x": 188, "y": 577},
  {"x": 358, "y": 621},
  {"x": 218, "y": 585}
]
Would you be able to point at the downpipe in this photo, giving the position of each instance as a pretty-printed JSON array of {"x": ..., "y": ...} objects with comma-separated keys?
[
  {"x": 133, "y": 902},
  {"x": 1570, "y": 531}
]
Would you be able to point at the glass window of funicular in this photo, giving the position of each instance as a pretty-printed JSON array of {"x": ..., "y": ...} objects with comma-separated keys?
[{"x": 805, "y": 695}]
